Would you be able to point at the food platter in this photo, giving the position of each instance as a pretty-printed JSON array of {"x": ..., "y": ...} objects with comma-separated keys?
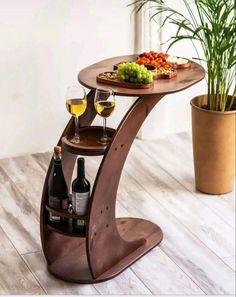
[
  {"x": 104, "y": 78},
  {"x": 158, "y": 65},
  {"x": 178, "y": 62}
]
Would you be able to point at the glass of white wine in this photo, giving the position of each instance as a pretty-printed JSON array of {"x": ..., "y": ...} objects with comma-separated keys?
[
  {"x": 76, "y": 103},
  {"x": 104, "y": 102}
]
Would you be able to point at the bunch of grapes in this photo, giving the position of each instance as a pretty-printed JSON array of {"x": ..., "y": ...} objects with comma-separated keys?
[{"x": 132, "y": 72}]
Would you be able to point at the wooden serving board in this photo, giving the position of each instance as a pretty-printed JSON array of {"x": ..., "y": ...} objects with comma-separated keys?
[
  {"x": 165, "y": 76},
  {"x": 182, "y": 66},
  {"x": 117, "y": 82}
]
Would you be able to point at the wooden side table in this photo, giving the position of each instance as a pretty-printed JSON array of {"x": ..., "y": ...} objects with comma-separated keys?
[{"x": 111, "y": 244}]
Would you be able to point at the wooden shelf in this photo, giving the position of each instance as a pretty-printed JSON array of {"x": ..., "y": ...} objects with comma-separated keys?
[
  {"x": 89, "y": 145},
  {"x": 64, "y": 213},
  {"x": 66, "y": 230}
]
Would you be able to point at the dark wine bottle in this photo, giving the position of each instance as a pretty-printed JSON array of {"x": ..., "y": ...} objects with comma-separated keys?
[
  {"x": 58, "y": 191},
  {"x": 80, "y": 197}
]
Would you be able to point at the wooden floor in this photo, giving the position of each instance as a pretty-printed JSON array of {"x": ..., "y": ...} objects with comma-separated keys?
[{"x": 196, "y": 256}]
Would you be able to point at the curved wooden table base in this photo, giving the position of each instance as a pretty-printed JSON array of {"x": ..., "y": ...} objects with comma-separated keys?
[
  {"x": 73, "y": 267},
  {"x": 111, "y": 244}
]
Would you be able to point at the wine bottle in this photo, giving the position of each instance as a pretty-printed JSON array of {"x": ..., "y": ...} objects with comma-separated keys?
[
  {"x": 58, "y": 191},
  {"x": 80, "y": 197}
]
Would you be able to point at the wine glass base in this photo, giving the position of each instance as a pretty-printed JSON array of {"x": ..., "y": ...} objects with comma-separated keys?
[
  {"x": 75, "y": 140},
  {"x": 104, "y": 140}
]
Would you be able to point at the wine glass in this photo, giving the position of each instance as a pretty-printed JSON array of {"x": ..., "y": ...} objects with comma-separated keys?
[
  {"x": 104, "y": 102},
  {"x": 76, "y": 103}
]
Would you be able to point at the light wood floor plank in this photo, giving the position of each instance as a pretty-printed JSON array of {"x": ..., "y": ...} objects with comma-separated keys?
[
  {"x": 126, "y": 283},
  {"x": 27, "y": 176},
  {"x": 162, "y": 276},
  {"x": 208, "y": 271},
  {"x": 127, "y": 182},
  {"x": 17, "y": 217},
  {"x": 198, "y": 218},
  {"x": 230, "y": 261},
  {"x": 15, "y": 277},
  {"x": 43, "y": 159},
  {"x": 49, "y": 283},
  {"x": 157, "y": 271},
  {"x": 178, "y": 148}
]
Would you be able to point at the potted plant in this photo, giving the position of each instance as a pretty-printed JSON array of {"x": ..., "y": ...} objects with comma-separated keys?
[{"x": 210, "y": 24}]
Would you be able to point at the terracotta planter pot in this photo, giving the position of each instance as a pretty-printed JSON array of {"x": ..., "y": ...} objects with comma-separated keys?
[{"x": 213, "y": 148}]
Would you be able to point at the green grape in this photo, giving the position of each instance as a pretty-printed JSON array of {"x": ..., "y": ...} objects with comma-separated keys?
[{"x": 132, "y": 72}]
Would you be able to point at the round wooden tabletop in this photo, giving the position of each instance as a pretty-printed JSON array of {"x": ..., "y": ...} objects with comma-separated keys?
[{"x": 184, "y": 79}]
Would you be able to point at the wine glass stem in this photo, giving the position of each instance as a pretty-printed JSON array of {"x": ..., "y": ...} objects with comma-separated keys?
[
  {"x": 77, "y": 127},
  {"x": 104, "y": 128}
]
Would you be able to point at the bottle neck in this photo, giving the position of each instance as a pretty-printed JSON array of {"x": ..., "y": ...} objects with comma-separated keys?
[
  {"x": 80, "y": 168},
  {"x": 57, "y": 160}
]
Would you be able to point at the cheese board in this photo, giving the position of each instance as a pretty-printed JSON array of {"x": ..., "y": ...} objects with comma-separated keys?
[{"x": 110, "y": 77}]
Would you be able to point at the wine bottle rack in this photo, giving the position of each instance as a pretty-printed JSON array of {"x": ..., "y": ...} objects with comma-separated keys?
[
  {"x": 64, "y": 213},
  {"x": 111, "y": 244},
  {"x": 67, "y": 228}
]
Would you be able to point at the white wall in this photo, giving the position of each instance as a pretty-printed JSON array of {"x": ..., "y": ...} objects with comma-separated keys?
[{"x": 44, "y": 44}]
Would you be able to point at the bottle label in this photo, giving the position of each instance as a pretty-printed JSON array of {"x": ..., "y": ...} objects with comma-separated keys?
[
  {"x": 81, "y": 223},
  {"x": 57, "y": 203},
  {"x": 80, "y": 202},
  {"x": 54, "y": 218},
  {"x": 54, "y": 202}
]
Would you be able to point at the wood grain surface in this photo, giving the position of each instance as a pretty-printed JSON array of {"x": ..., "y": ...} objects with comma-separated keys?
[
  {"x": 230, "y": 261},
  {"x": 18, "y": 218},
  {"x": 184, "y": 79},
  {"x": 202, "y": 265},
  {"x": 209, "y": 228},
  {"x": 15, "y": 276}
]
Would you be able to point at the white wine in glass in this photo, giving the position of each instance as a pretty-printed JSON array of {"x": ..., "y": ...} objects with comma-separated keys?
[
  {"x": 76, "y": 104},
  {"x": 104, "y": 108},
  {"x": 104, "y": 102}
]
